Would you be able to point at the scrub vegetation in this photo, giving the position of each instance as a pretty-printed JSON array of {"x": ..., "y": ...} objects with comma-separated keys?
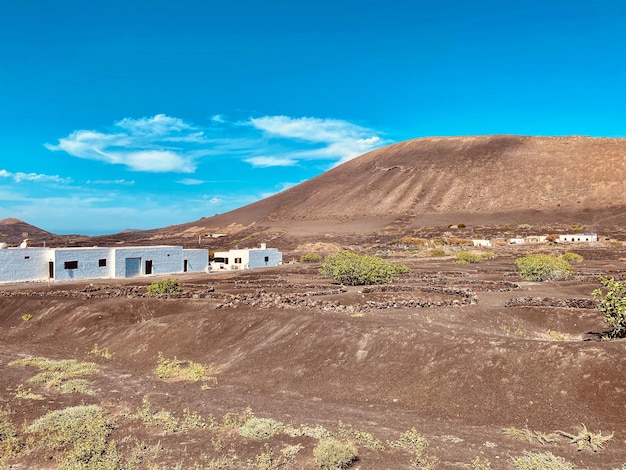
[
  {"x": 612, "y": 304},
  {"x": 471, "y": 257},
  {"x": 164, "y": 287},
  {"x": 356, "y": 270},
  {"x": 543, "y": 267}
]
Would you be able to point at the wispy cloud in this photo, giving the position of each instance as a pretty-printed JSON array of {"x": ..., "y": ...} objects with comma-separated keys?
[
  {"x": 117, "y": 182},
  {"x": 191, "y": 181},
  {"x": 20, "y": 177},
  {"x": 330, "y": 139},
  {"x": 162, "y": 143},
  {"x": 156, "y": 144},
  {"x": 264, "y": 162}
]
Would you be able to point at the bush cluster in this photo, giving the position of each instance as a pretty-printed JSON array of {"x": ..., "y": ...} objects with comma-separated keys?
[
  {"x": 83, "y": 430},
  {"x": 469, "y": 257},
  {"x": 311, "y": 258},
  {"x": 164, "y": 286},
  {"x": 333, "y": 454},
  {"x": 543, "y": 267},
  {"x": 613, "y": 305},
  {"x": 357, "y": 270},
  {"x": 572, "y": 257},
  {"x": 260, "y": 428}
]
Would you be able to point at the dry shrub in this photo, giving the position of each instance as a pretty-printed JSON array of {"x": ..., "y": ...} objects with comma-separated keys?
[
  {"x": 333, "y": 454},
  {"x": 260, "y": 428},
  {"x": 540, "y": 461},
  {"x": 80, "y": 434}
]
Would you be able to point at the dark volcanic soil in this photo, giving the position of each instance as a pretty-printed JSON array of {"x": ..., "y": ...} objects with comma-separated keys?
[{"x": 439, "y": 351}]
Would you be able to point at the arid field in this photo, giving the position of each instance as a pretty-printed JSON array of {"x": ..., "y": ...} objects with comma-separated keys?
[{"x": 449, "y": 366}]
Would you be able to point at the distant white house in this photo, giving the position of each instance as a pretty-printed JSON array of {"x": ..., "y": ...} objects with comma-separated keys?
[
  {"x": 62, "y": 264},
  {"x": 578, "y": 238},
  {"x": 481, "y": 242},
  {"x": 517, "y": 241},
  {"x": 248, "y": 258}
]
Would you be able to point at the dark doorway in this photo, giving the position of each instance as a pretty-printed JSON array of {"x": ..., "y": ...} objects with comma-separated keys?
[
  {"x": 148, "y": 266},
  {"x": 185, "y": 266},
  {"x": 51, "y": 270}
]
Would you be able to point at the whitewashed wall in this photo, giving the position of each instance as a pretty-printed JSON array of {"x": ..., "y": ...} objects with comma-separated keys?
[
  {"x": 165, "y": 259},
  {"x": 197, "y": 260},
  {"x": 257, "y": 258},
  {"x": 88, "y": 263},
  {"x": 250, "y": 258},
  {"x": 24, "y": 264}
]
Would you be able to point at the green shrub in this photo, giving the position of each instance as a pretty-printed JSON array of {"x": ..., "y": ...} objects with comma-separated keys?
[
  {"x": 437, "y": 252},
  {"x": 540, "y": 461},
  {"x": 613, "y": 305},
  {"x": 260, "y": 428},
  {"x": 333, "y": 454},
  {"x": 572, "y": 257},
  {"x": 181, "y": 369},
  {"x": 468, "y": 257},
  {"x": 357, "y": 270},
  {"x": 81, "y": 433},
  {"x": 311, "y": 258},
  {"x": 543, "y": 267},
  {"x": 164, "y": 286},
  {"x": 9, "y": 442},
  {"x": 63, "y": 375}
]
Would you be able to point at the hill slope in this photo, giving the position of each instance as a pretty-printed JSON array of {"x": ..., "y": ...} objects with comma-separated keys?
[
  {"x": 491, "y": 179},
  {"x": 13, "y": 231}
]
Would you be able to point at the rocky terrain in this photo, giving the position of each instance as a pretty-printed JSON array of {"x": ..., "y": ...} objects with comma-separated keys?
[{"x": 480, "y": 363}]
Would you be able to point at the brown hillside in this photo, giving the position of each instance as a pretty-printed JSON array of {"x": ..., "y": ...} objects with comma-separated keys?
[
  {"x": 431, "y": 181},
  {"x": 13, "y": 231}
]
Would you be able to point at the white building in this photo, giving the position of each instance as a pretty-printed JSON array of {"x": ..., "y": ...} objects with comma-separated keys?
[
  {"x": 61, "y": 264},
  {"x": 578, "y": 238},
  {"x": 247, "y": 258},
  {"x": 481, "y": 242}
]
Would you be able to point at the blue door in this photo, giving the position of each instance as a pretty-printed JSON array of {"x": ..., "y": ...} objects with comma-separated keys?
[{"x": 133, "y": 267}]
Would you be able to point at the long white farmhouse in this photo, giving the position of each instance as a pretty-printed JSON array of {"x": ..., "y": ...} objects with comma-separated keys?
[
  {"x": 62, "y": 264},
  {"x": 247, "y": 258}
]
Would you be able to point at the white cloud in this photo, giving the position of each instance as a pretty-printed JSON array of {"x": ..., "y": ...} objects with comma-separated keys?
[
  {"x": 212, "y": 199},
  {"x": 157, "y": 144},
  {"x": 162, "y": 143},
  {"x": 121, "y": 182},
  {"x": 19, "y": 177},
  {"x": 327, "y": 139},
  {"x": 264, "y": 162},
  {"x": 191, "y": 181}
]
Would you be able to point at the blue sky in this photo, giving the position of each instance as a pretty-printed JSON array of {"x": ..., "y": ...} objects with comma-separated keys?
[{"x": 142, "y": 114}]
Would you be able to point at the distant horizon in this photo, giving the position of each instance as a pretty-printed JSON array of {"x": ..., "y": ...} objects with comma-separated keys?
[{"x": 154, "y": 115}]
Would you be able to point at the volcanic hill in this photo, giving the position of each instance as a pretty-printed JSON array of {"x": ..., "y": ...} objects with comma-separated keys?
[
  {"x": 446, "y": 180},
  {"x": 484, "y": 182}
]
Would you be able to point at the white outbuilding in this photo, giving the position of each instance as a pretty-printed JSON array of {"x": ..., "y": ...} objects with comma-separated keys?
[
  {"x": 63, "y": 264},
  {"x": 247, "y": 258},
  {"x": 578, "y": 238}
]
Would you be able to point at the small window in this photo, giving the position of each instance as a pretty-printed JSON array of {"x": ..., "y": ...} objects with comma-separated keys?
[
  {"x": 71, "y": 265},
  {"x": 237, "y": 260},
  {"x": 102, "y": 262},
  {"x": 26, "y": 257},
  {"x": 267, "y": 258}
]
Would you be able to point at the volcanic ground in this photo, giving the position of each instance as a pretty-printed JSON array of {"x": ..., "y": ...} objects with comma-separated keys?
[{"x": 477, "y": 361}]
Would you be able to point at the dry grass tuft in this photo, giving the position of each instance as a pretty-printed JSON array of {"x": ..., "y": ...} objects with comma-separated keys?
[
  {"x": 586, "y": 439},
  {"x": 63, "y": 375}
]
